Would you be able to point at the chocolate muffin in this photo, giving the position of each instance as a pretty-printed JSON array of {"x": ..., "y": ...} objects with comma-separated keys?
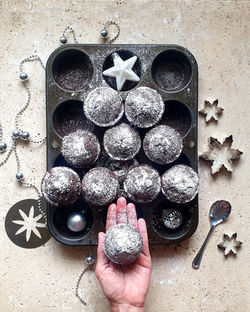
[
  {"x": 61, "y": 186},
  {"x": 103, "y": 106},
  {"x": 120, "y": 168},
  {"x": 162, "y": 145},
  {"x": 122, "y": 142},
  {"x": 100, "y": 186},
  {"x": 144, "y": 107},
  {"x": 180, "y": 184},
  {"x": 80, "y": 148},
  {"x": 122, "y": 244},
  {"x": 142, "y": 184}
]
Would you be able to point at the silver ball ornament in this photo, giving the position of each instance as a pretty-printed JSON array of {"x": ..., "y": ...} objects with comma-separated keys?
[
  {"x": 63, "y": 40},
  {"x": 104, "y": 33},
  {"x": 172, "y": 218},
  {"x": 19, "y": 176},
  {"x": 3, "y": 147},
  {"x": 25, "y": 135},
  {"x": 16, "y": 134},
  {"x": 89, "y": 260},
  {"x": 23, "y": 76},
  {"x": 76, "y": 222}
]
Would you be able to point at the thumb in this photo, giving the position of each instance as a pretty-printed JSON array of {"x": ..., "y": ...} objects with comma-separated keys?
[{"x": 102, "y": 260}]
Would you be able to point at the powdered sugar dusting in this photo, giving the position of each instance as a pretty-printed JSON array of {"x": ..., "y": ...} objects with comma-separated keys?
[
  {"x": 122, "y": 244},
  {"x": 100, "y": 186},
  {"x": 80, "y": 148},
  {"x": 122, "y": 142},
  {"x": 144, "y": 107},
  {"x": 142, "y": 184},
  {"x": 162, "y": 145},
  {"x": 103, "y": 106},
  {"x": 61, "y": 186},
  {"x": 180, "y": 184}
]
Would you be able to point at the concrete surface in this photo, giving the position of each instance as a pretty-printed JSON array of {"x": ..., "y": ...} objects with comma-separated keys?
[{"x": 218, "y": 34}]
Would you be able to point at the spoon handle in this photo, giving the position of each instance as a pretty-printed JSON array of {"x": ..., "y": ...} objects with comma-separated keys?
[{"x": 197, "y": 260}]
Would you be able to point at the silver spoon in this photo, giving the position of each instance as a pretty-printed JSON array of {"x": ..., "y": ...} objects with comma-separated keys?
[{"x": 219, "y": 211}]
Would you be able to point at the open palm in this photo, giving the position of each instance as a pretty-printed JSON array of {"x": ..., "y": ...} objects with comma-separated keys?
[{"x": 124, "y": 284}]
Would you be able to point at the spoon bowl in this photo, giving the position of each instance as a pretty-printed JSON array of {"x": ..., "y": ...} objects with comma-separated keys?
[{"x": 219, "y": 211}]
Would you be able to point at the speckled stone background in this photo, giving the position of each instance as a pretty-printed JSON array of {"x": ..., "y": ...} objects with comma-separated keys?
[{"x": 218, "y": 34}]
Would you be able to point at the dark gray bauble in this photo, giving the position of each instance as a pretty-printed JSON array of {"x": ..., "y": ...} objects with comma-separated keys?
[
  {"x": 104, "y": 33},
  {"x": 122, "y": 244},
  {"x": 63, "y": 40},
  {"x": 16, "y": 134},
  {"x": 19, "y": 176},
  {"x": 89, "y": 260},
  {"x": 23, "y": 76},
  {"x": 25, "y": 135},
  {"x": 3, "y": 147}
]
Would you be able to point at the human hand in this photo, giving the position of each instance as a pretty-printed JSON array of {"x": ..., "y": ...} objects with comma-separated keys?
[{"x": 125, "y": 286}]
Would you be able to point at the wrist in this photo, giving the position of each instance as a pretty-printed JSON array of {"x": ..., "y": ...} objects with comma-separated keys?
[{"x": 123, "y": 307}]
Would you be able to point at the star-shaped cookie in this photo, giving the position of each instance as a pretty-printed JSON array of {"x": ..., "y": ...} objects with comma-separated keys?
[
  {"x": 211, "y": 111},
  {"x": 122, "y": 70},
  {"x": 221, "y": 154}
]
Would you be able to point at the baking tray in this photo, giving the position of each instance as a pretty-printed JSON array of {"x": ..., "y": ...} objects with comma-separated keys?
[{"x": 72, "y": 71}]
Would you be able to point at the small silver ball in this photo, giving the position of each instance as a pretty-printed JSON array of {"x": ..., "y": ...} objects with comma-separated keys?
[
  {"x": 16, "y": 134},
  {"x": 3, "y": 147},
  {"x": 89, "y": 260},
  {"x": 104, "y": 33},
  {"x": 76, "y": 222},
  {"x": 19, "y": 176},
  {"x": 25, "y": 135},
  {"x": 23, "y": 76},
  {"x": 172, "y": 218},
  {"x": 63, "y": 40}
]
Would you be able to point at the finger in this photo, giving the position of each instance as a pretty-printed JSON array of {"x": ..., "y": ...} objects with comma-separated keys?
[
  {"x": 122, "y": 211},
  {"x": 131, "y": 214},
  {"x": 111, "y": 216},
  {"x": 102, "y": 260},
  {"x": 142, "y": 228}
]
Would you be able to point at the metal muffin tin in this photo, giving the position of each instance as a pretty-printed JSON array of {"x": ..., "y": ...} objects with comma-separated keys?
[{"x": 74, "y": 70}]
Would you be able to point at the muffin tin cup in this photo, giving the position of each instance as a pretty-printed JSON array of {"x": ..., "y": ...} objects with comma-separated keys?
[{"x": 172, "y": 71}]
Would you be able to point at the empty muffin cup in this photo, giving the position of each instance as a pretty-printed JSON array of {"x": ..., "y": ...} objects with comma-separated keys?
[
  {"x": 178, "y": 116},
  {"x": 72, "y": 70},
  {"x": 69, "y": 117},
  {"x": 171, "y": 70}
]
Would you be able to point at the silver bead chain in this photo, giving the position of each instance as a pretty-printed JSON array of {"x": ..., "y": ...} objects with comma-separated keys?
[
  {"x": 18, "y": 133},
  {"x": 24, "y": 135},
  {"x": 63, "y": 38},
  {"x": 89, "y": 262},
  {"x": 104, "y": 32},
  {"x": 1, "y": 132}
]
